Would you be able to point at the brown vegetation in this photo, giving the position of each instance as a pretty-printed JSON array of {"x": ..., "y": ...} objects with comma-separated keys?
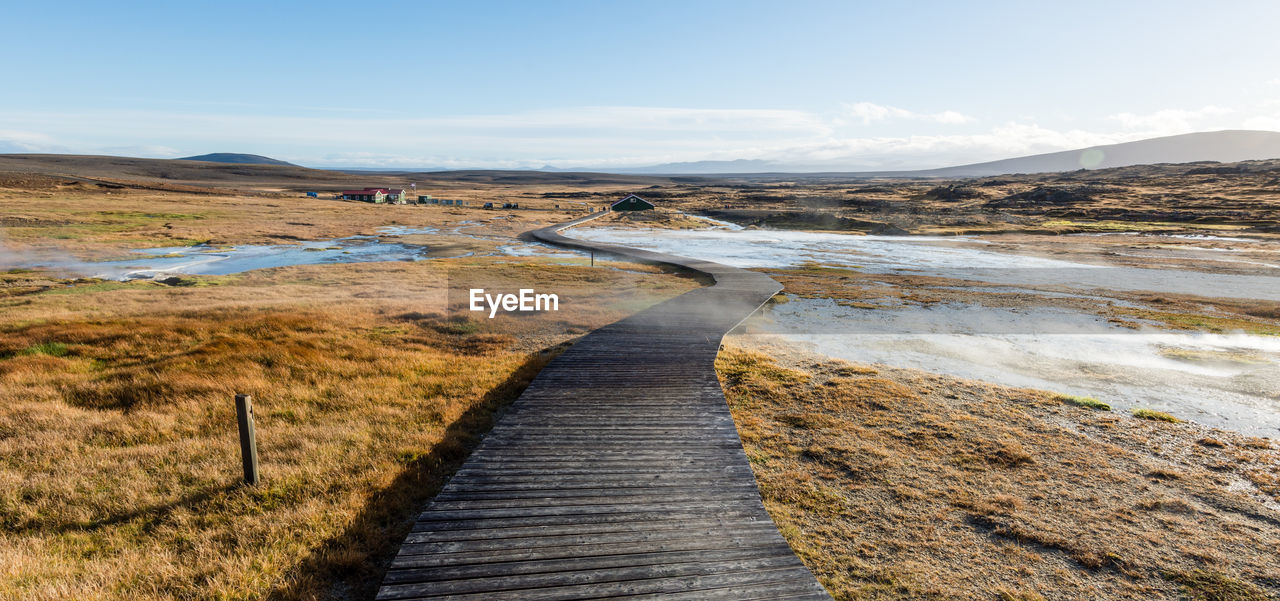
[
  {"x": 897, "y": 484},
  {"x": 119, "y": 468},
  {"x": 1203, "y": 197},
  {"x": 667, "y": 219},
  {"x": 98, "y": 224},
  {"x": 135, "y": 172},
  {"x": 852, "y": 287},
  {"x": 1159, "y": 198}
]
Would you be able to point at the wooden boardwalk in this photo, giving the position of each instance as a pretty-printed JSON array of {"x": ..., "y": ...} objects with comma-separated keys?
[{"x": 618, "y": 474}]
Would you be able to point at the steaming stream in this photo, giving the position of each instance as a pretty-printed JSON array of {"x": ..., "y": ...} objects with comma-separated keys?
[
  {"x": 208, "y": 260},
  {"x": 1229, "y": 381}
]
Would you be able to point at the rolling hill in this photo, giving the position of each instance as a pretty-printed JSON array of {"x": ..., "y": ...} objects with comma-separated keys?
[
  {"x": 236, "y": 159},
  {"x": 278, "y": 177},
  {"x": 1226, "y": 146},
  {"x": 228, "y": 170}
]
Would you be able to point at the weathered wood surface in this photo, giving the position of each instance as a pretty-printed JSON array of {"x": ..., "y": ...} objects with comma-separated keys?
[{"x": 618, "y": 474}]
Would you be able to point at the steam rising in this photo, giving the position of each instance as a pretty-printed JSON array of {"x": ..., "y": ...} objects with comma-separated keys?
[
  {"x": 208, "y": 260},
  {"x": 59, "y": 262},
  {"x": 1229, "y": 380},
  {"x": 949, "y": 257}
]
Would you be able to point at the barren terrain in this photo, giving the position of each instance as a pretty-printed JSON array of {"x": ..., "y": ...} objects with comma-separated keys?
[
  {"x": 117, "y": 439},
  {"x": 899, "y": 484},
  {"x": 119, "y": 463}
]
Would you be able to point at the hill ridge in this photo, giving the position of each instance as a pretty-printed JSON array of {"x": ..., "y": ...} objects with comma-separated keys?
[{"x": 236, "y": 158}]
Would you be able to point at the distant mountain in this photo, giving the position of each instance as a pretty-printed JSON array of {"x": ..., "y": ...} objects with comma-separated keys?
[
  {"x": 236, "y": 158},
  {"x": 735, "y": 166},
  {"x": 276, "y": 177},
  {"x": 1228, "y": 146}
]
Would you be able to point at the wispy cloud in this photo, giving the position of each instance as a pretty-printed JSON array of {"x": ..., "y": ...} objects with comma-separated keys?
[
  {"x": 859, "y": 135},
  {"x": 27, "y": 141},
  {"x": 869, "y": 112},
  {"x": 916, "y": 151},
  {"x": 1269, "y": 122},
  {"x": 595, "y": 133},
  {"x": 157, "y": 151},
  {"x": 1169, "y": 121},
  {"x": 637, "y": 118}
]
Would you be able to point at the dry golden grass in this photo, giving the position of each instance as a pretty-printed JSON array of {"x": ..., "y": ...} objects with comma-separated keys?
[
  {"x": 662, "y": 218},
  {"x": 1155, "y": 198},
  {"x": 119, "y": 459},
  {"x": 105, "y": 224},
  {"x": 120, "y": 455},
  {"x": 850, "y": 287},
  {"x": 896, "y": 484}
]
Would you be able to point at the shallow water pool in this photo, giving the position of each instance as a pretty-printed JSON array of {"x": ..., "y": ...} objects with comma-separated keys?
[{"x": 1230, "y": 381}]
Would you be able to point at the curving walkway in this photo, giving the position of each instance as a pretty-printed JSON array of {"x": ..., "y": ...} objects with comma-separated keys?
[{"x": 618, "y": 474}]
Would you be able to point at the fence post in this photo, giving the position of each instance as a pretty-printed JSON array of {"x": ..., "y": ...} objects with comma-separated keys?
[{"x": 248, "y": 442}]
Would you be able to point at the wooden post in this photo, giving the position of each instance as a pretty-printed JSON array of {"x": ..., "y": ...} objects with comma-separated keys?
[
  {"x": 593, "y": 258},
  {"x": 248, "y": 443}
]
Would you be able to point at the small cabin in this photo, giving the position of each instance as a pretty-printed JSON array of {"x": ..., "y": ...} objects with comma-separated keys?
[
  {"x": 632, "y": 203},
  {"x": 378, "y": 195}
]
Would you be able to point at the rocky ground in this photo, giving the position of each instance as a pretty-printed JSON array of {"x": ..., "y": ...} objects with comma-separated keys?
[{"x": 1186, "y": 198}]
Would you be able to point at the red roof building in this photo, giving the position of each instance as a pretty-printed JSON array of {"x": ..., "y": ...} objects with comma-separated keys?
[{"x": 378, "y": 195}]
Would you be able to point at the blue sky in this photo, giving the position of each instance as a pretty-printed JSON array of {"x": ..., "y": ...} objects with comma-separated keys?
[{"x": 599, "y": 84}]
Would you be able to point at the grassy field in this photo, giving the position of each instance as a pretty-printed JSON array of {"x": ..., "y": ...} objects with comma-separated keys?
[
  {"x": 898, "y": 484},
  {"x": 119, "y": 463},
  {"x": 1135, "y": 310},
  {"x": 65, "y": 220},
  {"x": 1222, "y": 200}
]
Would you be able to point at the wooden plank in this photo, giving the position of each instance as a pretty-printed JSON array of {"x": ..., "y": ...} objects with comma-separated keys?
[
  {"x": 577, "y": 497},
  {"x": 631, "y": 486},
  {"x": 692, "y": 523},
  {"x": 742, "y": 581},
  {"x": 624, "y": 476},
  {"x": 618, "y": 473},
  {"x": 435, "y": 560},
  {"x": 586, "y": 521},
  {"x": 579, "y": 575},
  {"x": 431, "y": 513},
  {"x": 489, "y": 570},
  {"x": 742, "y": 533}
]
